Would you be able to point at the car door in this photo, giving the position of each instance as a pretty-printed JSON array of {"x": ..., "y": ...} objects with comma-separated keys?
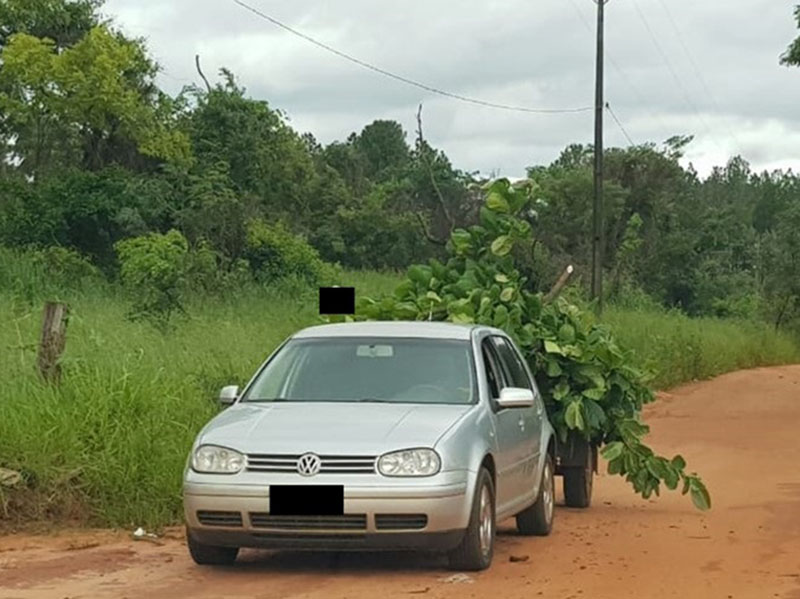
[
  {"x": 508, "y": 432},
  {"x": 527, "y": 421},
  {"x": 502, "y": 427}
]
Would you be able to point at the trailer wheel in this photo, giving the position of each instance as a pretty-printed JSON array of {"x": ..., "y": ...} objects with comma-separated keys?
[{"x": 578, "y": 483}]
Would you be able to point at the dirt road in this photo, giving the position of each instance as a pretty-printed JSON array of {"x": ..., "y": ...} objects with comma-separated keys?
[{"x": 740, "y": 431}]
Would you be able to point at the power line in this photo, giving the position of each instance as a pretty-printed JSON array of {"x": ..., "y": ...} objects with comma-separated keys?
[
  {"x": 665, "y": 58},
  {"x": 406, "y": 80},
  {"x": 620, "y": 71},
  {"x": 697, "y": 71},
  {"x": 619, "y": 124}
]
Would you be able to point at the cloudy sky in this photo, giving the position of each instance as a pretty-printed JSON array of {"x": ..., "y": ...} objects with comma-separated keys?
[{"x": 699, "y": 67}]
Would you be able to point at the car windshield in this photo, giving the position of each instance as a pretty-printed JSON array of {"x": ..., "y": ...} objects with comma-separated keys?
[{"x": 391, "y": 370}]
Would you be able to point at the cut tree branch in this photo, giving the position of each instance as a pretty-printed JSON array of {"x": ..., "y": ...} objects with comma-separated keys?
[
  {"x": 562, "y": 280},
  {"x": 200, "y": 71},
  {"x": 427, "y": 233}
]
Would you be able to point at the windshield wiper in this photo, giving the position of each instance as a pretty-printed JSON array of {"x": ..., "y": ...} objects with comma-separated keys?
[{"x": 373, "y": 400}]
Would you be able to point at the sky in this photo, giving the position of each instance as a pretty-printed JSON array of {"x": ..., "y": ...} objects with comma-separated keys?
[{"x": 673, "y": 67}]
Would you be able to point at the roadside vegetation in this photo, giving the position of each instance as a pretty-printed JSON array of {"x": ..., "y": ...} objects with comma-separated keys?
[
  {"x": 107, "y": 446},
  {"x": 188, "y": 235}
]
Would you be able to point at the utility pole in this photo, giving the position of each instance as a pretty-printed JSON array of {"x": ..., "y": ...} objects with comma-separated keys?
[{"x": 597, "y": 207}]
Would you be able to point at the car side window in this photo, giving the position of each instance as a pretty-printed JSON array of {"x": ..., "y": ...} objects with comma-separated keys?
[
  {"x": 512, "y": 363},
  {"x": 493, "y": 375}
]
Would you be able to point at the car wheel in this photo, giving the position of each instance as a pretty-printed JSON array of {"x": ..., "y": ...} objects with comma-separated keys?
[
  {"x": 477, "y": 547},
  {"x": 538, "y": 518},
  {"x": 578, "y": 483},
  {"x": 210, "y": 555}
]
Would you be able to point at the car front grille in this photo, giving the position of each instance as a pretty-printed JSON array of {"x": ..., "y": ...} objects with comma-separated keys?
[
  {"x": 209, "y": 518},
  {"x": 338, "y": 464},
  {"x": 343, "y": 522},
  {"x": 400, "y": 521}
]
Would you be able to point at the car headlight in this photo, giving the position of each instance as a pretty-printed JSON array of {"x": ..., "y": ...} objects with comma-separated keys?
[
  {"x": 410, "y": 462},
  {"x": 213, "y": 459}
]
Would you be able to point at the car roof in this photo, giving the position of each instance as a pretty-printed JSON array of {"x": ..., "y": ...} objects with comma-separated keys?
[{"x": 392, "y": 328}]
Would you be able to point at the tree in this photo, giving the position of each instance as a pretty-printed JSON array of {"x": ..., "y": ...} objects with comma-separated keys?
[
  {"x": 383, "y": 146},
  {"x": 90, "y": 105},
  {"x": 781, "y": 254},
  {"x": 266, "y": 160},
  {"x": 85, "y": 211},
  {"x": 64, "y": 22},
  {"x": 213, "y": 211},
  {"x": 792, "y": 55}
]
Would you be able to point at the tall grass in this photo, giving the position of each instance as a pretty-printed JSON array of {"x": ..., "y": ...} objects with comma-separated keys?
[
  {"x": 676, "y": 348},
  {"x": 107, "y": 446}
]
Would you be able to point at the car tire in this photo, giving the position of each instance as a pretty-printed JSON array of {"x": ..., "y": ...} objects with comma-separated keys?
[
  {"x": 578, "y": 483},
  {"x": 210, "y": 555},
  {"x": 538, "y": 518},
  {"x": 477, "y": 547}
]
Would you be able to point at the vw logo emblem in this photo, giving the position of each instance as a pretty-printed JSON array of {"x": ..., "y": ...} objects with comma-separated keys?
[{"x": 308, "y": 464}]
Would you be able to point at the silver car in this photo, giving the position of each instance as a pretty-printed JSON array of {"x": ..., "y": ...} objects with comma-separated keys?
[{"x": 375, "y": 435}]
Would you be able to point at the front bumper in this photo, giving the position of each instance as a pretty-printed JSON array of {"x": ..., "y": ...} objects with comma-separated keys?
[{"x": 446, "y": 506}]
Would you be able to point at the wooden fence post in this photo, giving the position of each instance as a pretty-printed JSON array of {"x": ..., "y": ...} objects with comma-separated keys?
[{"x": 54, "y": 336}]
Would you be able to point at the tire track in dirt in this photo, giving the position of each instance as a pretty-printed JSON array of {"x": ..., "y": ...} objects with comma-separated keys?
[{"x": 741, "y": 432}]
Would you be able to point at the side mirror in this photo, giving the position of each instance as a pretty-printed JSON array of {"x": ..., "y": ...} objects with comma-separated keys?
[
  {"x": 515, "y": 397},
  {"x": 228, "y": 394}
]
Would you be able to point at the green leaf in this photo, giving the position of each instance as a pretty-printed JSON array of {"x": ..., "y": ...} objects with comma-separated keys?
[
  {"x": 594, "y": 414},
  {"x": 561, "y": 390},
  {"x": 500, "y": 316},
  {"x": 502, "y": 245},
  {"x": 507, "y": 294},
  {"x": 404, "y": 289},
  {"x": 501, "y": 278},
  {"x": 433, "y": 296},
  {"x": 595, "y": 393},
  {"x": 613, "y": 450},
  {"x": 678, "y": 462},
  {"x": 671, "y": 477},
  {"x": 406, "y": 310},
  {"x": 551, "y": 347},
  {"x": 655, "y": 468},
  {"x": 420, "y": 274},
  {"x": 496, "y": 202},
  {"x": 461, "y": 240},
  {"x": 553, "y": 369},
  {"x": 461, "y": 318},
  {"x": 566, "y": 333},
  {"x": 573, "y": 416},
  {"x": 700, "y": 496},
  {"x": 593, "y": 374}
]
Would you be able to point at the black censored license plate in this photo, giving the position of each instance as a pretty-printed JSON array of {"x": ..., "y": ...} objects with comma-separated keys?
[{"x": 306, "y": 500}]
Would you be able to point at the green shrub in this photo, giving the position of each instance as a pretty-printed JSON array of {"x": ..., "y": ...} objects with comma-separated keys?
[
  {"x": 273, "y": 252},
  {"x": 154, "y": 269}
]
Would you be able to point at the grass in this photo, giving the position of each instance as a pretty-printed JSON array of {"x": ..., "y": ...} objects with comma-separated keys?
[
  {"x": 108, "y": 445},
  {"x": 676, "y": 348}
]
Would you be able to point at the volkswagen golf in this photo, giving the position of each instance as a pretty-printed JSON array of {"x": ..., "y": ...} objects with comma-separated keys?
[{"x": 375, "y": 435}]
